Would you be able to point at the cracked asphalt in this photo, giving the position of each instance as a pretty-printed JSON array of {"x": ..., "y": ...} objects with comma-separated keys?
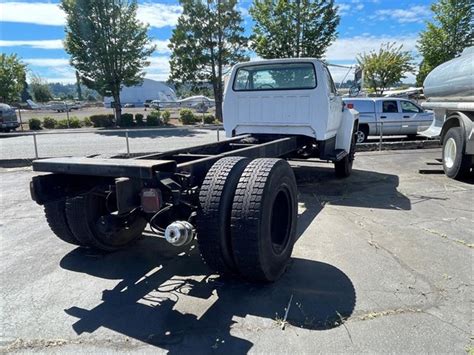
[{"x": 383, "y": 263}]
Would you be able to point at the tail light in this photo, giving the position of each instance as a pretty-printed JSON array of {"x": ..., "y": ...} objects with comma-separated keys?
[{"x": 151, "y": 200}]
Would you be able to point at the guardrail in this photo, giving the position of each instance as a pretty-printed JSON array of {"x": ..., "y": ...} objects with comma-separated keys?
[
  {"x": 105, "y": 131},
  {"x": 380, "y": 127}
]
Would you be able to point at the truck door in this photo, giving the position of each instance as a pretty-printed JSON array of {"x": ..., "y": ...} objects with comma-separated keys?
[
  {"x": 389, "y": 117},
  {"x": 335, "y": 102},
  {"x": 411, "y": 115}
]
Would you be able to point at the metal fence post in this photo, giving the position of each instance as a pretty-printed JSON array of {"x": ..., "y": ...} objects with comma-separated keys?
[
  {"x": 128, "y": 145},
  {"x": 381, "y": 136},
  {"x": 36, "y": 146},
  {"x": 218, "y": 133}
]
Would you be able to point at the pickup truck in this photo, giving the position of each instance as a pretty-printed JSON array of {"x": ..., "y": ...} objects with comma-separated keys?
[
  {"x": 389, "y": 116},
  {"x": 237, "y": 197}
]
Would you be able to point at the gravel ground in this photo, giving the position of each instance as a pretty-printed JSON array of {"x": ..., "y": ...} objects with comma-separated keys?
[{"x": 383, "y": 264}]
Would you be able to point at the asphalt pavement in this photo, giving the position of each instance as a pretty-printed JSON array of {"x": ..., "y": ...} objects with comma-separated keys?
[{"x": 383, "y": 264}]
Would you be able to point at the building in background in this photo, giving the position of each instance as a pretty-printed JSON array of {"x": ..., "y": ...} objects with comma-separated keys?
[{"x": 148, "y": 91}]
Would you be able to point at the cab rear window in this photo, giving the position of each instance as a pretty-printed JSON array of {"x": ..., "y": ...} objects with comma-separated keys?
[{"x": 286, "y": 76}]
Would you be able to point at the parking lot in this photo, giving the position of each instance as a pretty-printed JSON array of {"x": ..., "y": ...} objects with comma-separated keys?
[{"x": 383, "y": 263}]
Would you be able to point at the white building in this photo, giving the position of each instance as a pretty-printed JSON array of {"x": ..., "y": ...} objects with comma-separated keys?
[{"x": 148, "y": 91}]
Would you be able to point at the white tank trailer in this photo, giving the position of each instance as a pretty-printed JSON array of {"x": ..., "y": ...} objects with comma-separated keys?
[{"x": 449, "y": 89}]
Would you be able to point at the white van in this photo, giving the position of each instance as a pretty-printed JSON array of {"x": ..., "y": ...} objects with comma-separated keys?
[{"x": 392, "y": 116}]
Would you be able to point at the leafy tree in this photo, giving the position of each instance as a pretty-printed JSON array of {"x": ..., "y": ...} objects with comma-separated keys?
[
  {"x": 109, "y": 47},
  {"x": 386, "y": 67},
  {"x": 40, "y": 89},
  {"x": 293, "y": 29},
  {"x": 12, "y": 77},
  {"x": 446, "y": 36},
  {"x": 25, "y": 94},
  {"x": 206, "y": 42}
]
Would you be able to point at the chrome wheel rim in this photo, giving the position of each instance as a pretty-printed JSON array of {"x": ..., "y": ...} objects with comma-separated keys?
[
  {"x": 450, "y": 153},
  {"x": 360, "y": 136}
]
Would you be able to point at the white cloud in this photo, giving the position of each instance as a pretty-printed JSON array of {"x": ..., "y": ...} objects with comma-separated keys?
[
  {"x": 343, "y": 9},
  {"x": 346, "y": 49},
  {"x": 42, "y": 13},
  {"x": 32, "y": 12},
  {"x": 416, "y": 13},
  {"x": 159, "y": 15},
  {"x": 40, "y": 44},
  {"x": 47, "y": 62},
  {"x": 161, "y": 46}
]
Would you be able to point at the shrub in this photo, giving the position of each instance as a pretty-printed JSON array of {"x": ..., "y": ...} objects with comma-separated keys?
[
  {"x": 74, "y": 122},
  {"x": 49, "y": 122},
  {"x": 153, "y": 118},
  {"x": 102, "y": 120},
  {"x": 126, "y": 120},
  {"x": 186, "y": 116},
  {"x": 209, "y": 119},
  {"x": 87, "y": 122},
  {"x": 61, "y": 124},
  {"x": 139, "y": 119},
  {"x": 165, "y": 116},
  {"x": 34, "y": 124}
]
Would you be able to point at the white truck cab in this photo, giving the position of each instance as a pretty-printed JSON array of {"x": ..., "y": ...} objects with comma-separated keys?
[{"x": 294, "y": 96}]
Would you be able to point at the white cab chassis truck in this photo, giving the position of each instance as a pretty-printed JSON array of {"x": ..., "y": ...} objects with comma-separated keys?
[
  {"x": 237, "y": 197},
  {"x": 450, "y": 92}
]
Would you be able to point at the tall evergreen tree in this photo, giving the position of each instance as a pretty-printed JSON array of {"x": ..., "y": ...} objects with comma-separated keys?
[
  {"x": 446, "y": 36},
  {"x": 206, "y": 42},
  {"x": 109, "y": 47},
  {"x": 293, "y": 28}
]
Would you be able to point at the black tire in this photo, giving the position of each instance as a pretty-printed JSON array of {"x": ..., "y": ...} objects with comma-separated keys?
[
  {"x": 93, "y": 225},
  {"x": 213, "y": 218},
  {"x": 264, "y": 217},
  {"x": 460, "y": 165},
  {"x": 362, "y": 134},
  {"x": 343, "y": 167},
  {"x": 56, "y": 217}
]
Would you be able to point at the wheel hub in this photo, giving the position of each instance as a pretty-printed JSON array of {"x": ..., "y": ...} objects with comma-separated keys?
[{"x": 450, "y": 153}]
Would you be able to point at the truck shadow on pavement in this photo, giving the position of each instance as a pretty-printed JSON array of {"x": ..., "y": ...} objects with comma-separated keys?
[
  {"x": 161, "y": 132},
  {"x": 167, "y": 297}
]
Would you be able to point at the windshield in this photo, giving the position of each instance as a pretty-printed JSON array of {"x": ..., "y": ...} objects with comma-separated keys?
[{"x": 282, "y": 76}]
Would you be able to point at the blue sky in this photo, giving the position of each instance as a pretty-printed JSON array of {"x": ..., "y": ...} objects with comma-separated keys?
[{"x": 35, "y": 30}]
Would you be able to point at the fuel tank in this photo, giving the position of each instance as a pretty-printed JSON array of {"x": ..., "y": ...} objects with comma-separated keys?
[{"x": 452, "y": 81}]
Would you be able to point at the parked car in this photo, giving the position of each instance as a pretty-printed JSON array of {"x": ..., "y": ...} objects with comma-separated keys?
[
  {"x": 129, "y": 105},
  {"x": 392, "y": 116},
  {"x": 8, "y": 119}
]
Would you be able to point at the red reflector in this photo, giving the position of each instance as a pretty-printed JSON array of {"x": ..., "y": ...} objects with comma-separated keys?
[
  {"x": 350, "y": 105},
  {"x": 150, "y": 200}
]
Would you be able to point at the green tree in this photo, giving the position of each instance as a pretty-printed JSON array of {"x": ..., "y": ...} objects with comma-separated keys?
[
  {"x": 12, "y": 77},
  {"x": 446, "y": 36},
  {"x": 386, "y": 67},
  {"x": 109, "y": 47},
  {"x": 206, "y": 42},
  {"x": 293, "y": 29},
  {"x": 39, "y": 89}
]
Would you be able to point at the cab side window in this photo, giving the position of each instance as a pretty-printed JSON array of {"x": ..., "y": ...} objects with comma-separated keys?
[
  {"x": 409, "y": 107},
  {"x": 389, "y": 106}
]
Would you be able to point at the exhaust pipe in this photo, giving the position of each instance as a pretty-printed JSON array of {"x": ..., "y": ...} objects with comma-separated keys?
[{"x": 179, "y": 233}]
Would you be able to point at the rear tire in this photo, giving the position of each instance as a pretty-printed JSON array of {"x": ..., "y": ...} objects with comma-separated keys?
[
  {"x": 56, "y": 217},
  {"x": 264, "y": 217},
  {"x": 93, "y": 225},
  {"x": 456, "y": 164},
  {"x": 362, "y": 134},
  {"x": 213, "y": 218},
  {"x": 343, "y": 167}
]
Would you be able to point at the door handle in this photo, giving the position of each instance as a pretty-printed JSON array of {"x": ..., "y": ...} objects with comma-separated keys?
[
  {"x": 383, "y": 116},
  {"x": 406, "y": 116}
]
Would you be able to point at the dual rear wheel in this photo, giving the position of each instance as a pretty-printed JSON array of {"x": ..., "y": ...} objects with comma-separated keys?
[{"x": 247, "y": 218}]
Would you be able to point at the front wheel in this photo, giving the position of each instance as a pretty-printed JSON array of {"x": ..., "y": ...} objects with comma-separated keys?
[
  {"x": 343, "y": 167},
  {"x": 456, "y": 164}
]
